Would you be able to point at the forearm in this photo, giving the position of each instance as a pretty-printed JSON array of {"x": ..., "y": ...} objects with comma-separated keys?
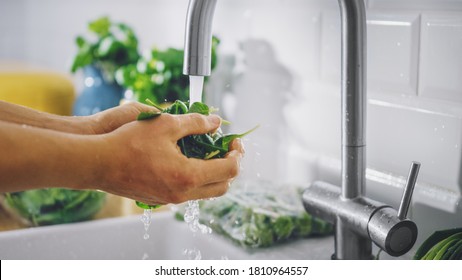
[
  {"x": 38, "y": 158},
  {"x": 26, "y": 116}
]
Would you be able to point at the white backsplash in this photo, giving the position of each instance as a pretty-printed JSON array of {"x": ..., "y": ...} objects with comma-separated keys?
[{"x": 280, "y": 68}]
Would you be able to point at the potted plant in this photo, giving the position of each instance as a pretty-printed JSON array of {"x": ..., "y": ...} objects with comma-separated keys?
[
  {"x": 111, "y": 45},
  {"x": 158, "y": 75}
]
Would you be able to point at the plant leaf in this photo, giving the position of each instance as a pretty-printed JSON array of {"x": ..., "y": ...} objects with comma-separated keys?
[
  {"x": 148, "y": 115},
  {"x": 224, "y": 141},
  {"x": 100, "y": 26},
  {"x": 147, "y": 206},
  {"x": 200, "y": 108}
]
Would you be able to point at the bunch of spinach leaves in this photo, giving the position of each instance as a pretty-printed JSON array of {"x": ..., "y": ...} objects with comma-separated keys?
[
  {"x": 203, "y": 146},
  {"x": 158, "y": 75}
]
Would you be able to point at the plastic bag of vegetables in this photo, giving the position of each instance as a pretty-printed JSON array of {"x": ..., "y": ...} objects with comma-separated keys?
[
  {"x": 442, "y": 245},
  {"x": 260, "y": 214},
  {"x": 54, "y": 206}
]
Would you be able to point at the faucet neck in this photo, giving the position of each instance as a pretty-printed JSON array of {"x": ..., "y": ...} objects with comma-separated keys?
[
  {"x": 350, "y": 245},
  {"x": 353, "y": 87}
]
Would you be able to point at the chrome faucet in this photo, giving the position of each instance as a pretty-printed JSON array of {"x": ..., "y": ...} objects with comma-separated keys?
[{"x": 358, "y": 220}]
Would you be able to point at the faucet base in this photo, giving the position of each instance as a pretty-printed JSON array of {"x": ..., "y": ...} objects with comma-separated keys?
[
  {"x": 349, "y": 245},
  {"x": 359, "y": 222}
]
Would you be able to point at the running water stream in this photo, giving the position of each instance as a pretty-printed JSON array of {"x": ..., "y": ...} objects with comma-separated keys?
[{"x": 191, "y": 215}]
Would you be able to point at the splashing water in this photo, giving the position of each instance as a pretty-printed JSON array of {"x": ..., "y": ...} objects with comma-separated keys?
[
  {"x": 191, "y": 215},
  {"x": 192, "y": 254},
  {"x": 146, "y": 219}
]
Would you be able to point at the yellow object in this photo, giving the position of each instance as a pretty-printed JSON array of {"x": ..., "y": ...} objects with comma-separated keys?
[{"x": 48, "y": 92}]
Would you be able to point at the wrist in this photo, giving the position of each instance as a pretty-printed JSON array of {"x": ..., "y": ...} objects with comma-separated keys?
[{"x": 103, "y": 166}]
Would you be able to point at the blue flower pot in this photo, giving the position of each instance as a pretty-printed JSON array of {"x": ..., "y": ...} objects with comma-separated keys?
[{"x": 98, "y": 94}]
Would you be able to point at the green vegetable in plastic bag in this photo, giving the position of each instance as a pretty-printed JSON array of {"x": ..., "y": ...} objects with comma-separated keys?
[{"x": 261, "y": 214}]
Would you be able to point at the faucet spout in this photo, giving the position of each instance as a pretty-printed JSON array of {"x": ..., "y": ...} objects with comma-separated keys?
[{"x": 198, "y": 38}]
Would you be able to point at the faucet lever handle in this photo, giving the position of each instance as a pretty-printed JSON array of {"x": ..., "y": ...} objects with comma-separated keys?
[{"x": 408, "y": 190}]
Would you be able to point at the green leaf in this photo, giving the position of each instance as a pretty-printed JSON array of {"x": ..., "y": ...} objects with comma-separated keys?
[
  {"x": 177, "y": 108},
  {"x": 432, "y": 241},
  {"x": 80, "y": 41},
  {"x": 147, "y": 206},
  {"x": 200, "y": 108},
  {"x": 226, "y": 140},
  {"x": 148, "y": 115},
  {"x": 212, "y": 154},
  {"x": 149, "y": 102},
  {"x": 100, "y": 26}
]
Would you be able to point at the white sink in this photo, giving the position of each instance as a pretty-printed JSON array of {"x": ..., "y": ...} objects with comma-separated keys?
[{"x": 122, "y": 238}]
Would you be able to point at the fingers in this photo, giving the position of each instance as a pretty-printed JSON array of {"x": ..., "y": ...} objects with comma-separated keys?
[
  {"x": 191, "y": 124},
  {"x": 111, "y": 119},
  {"x": 131, "y": 110},
  {"x": 217, "y": 170},
  {"x": 236, "y": 144},
  {"x": 211, "y": 190}
]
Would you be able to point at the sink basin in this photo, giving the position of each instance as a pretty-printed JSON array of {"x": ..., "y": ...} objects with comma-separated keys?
[{"x": 122, "y": 238}]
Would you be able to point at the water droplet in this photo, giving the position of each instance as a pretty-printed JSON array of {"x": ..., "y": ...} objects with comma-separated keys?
[
  {"x": 146, "y": 220},
  {"x": 192, "y": 254}
]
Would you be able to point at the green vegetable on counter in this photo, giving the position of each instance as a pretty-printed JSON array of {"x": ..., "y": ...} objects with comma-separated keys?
[
  {"x": 55, "y": 205},
  {"x": 442, "y": 245},
  {"x": 204, "y": 146}
]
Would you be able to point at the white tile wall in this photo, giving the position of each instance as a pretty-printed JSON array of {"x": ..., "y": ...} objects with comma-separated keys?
[
  {"x": 416, "y": 4},
  {"x": 440, "y": 58},
  {"x": 393, "y": 52},
  {"x": 330, "y": 51}
]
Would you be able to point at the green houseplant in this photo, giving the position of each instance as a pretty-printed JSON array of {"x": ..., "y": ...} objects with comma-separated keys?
[
  {"x": 158, "y": 75},
  {"x": 110, "y": 46}
]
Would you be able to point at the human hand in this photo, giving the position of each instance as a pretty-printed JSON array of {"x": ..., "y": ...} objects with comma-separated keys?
[
  {"x": 111, "y": 119},
  {"x": 142, "y": 161}
]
